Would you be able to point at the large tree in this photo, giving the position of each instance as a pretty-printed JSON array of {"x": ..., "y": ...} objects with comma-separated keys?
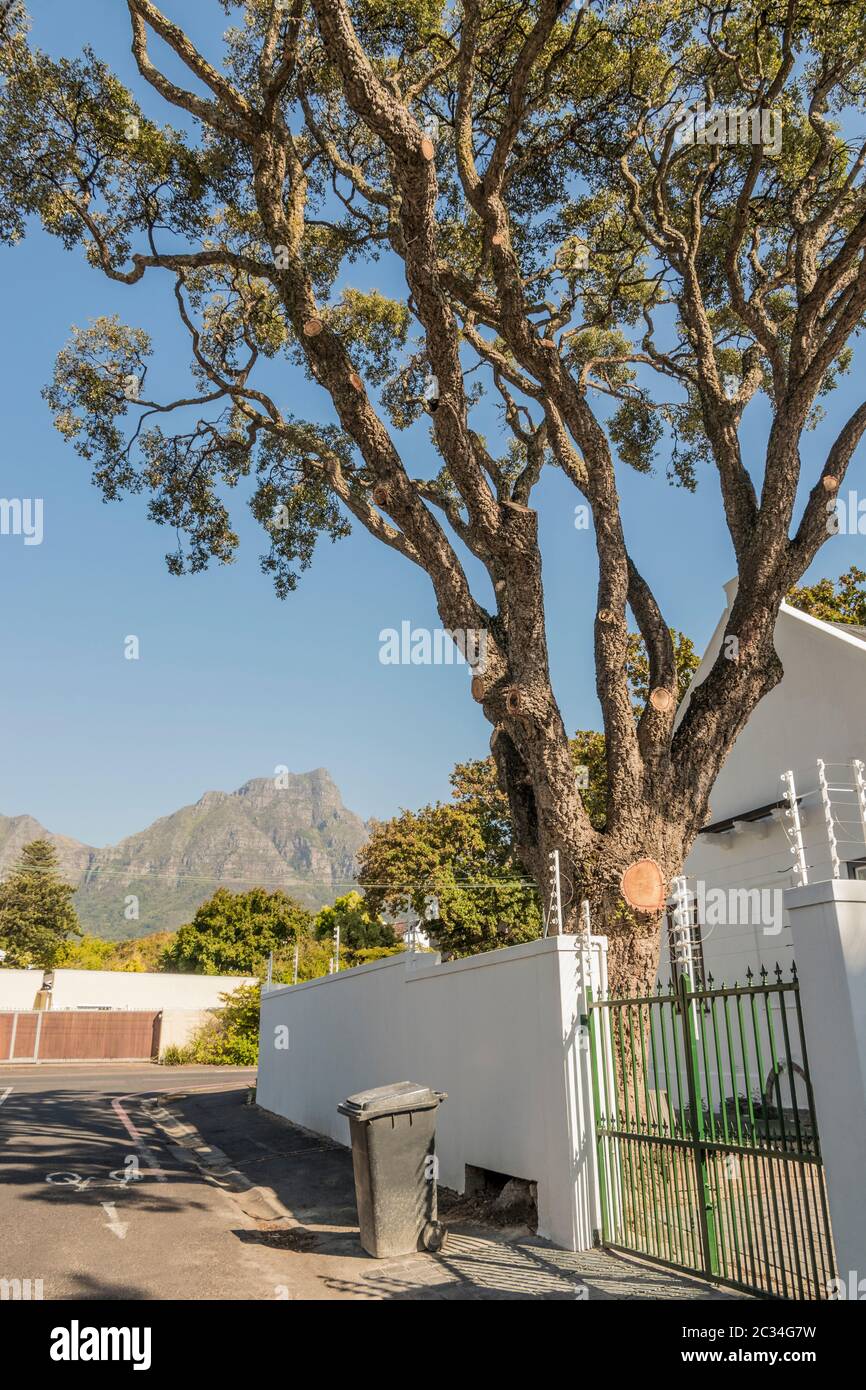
[
  {"x": 36, "y": 912},
  {"x": 234, "y": 933},
  {"x": 624, "y": 278}
]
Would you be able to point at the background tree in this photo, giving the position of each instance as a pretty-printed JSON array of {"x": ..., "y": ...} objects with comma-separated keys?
[
  {"x": 474, "y": 143},
  {"x": 461, "y": 855},
  {"x": 361, "y": 929},
  {"x": 637, "y": 667},
  {"x": 36, "y": 911},
  {"x": 84, "y": 953},
  {"x": 839, "y": 601},
  {"x": 234, "y": 933},
  {"x": 94, "y": 953}
]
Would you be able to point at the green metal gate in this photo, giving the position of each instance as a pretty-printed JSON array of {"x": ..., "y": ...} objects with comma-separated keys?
[{"x": 708, "y": 1150}]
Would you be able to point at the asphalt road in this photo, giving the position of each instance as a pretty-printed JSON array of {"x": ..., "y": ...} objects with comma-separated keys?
[{"x": 98, "y": 1204}]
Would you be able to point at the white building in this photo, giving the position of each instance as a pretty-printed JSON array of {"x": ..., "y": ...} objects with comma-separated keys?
[
  {"x": 748, "y": 848},
  {"x": 115, "y": 989}
]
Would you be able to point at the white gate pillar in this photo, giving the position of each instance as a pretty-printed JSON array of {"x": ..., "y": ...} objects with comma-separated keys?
[
  {"x": 568, "y": 1208},
  {"x": 828, "y": 927}
]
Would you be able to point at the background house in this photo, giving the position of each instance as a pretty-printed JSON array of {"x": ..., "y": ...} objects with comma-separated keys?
[
  {"x": 117, "y": 989},
  {"x": 816, "y": 712}
]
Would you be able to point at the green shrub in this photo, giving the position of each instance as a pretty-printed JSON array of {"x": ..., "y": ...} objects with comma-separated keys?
[{"x": 231, "y": 1038}]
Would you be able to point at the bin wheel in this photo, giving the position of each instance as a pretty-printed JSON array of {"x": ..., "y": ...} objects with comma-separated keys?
[{"x": 433, "y": 1236}]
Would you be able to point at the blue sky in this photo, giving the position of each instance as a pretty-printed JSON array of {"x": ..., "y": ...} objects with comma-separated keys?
[{"x": 231, "y": 681}]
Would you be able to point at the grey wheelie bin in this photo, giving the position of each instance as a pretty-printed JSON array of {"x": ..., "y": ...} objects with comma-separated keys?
[{"x": 393, "y": 1139}]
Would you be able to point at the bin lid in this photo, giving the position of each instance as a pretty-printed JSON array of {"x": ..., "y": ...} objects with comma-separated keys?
[{"x": 390, "y": 1100}]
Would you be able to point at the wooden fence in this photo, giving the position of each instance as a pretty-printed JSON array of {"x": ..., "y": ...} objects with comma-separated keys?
[{"x": 79, "y": 1034}]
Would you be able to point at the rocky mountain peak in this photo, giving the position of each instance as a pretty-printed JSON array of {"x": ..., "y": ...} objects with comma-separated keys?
[{"x": 288, "y": 831}]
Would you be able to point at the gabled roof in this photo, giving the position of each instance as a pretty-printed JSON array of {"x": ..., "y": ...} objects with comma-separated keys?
[
  {"x": 851, "y": 633},
  {"x": 846, "y": 632}
]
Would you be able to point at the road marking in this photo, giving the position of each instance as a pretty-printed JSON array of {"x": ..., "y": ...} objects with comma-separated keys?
[
  {"x": 6, "y": 1094},
  {"x": 66, "y": 1179},
  {"x": 137, "y": 1137},
  {"x": 119, "y": 1228}
]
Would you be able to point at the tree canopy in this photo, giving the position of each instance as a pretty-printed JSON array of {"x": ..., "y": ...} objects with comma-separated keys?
[
  {"x": 455, "y": 865},
  {"x": 361, "y": 929},
  {"x": 234, "y": 933},
  {"x": 839, "y": 601},
  {"x": 138, "y": 954}
]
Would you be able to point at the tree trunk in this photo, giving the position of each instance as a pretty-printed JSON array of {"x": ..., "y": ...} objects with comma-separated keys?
[{"x": 634, "y": 948}]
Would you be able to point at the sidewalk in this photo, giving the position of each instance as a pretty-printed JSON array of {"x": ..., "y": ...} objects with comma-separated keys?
[{"x": 295, "y": 1194}]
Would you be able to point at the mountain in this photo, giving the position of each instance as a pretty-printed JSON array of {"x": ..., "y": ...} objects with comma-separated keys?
[
  {"x": 298, "y": 837},
  {"x": 18, "y": 831}
]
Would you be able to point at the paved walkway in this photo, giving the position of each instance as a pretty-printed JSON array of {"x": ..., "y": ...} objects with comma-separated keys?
[{"x": 307, "y": 1181}]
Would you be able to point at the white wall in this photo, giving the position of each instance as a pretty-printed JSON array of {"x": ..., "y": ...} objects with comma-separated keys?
[
  {"x": 499, "y": 1032},
  {"x": 118, "y": 989},
  {"x": 177, "y": 1027}
]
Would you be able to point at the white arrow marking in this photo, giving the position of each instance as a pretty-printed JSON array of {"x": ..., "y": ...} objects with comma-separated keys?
[{"x": 119, "y": 1228}]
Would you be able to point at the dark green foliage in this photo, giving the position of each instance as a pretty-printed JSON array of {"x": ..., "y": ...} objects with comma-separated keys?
[{"x": 36, "y": 911}]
